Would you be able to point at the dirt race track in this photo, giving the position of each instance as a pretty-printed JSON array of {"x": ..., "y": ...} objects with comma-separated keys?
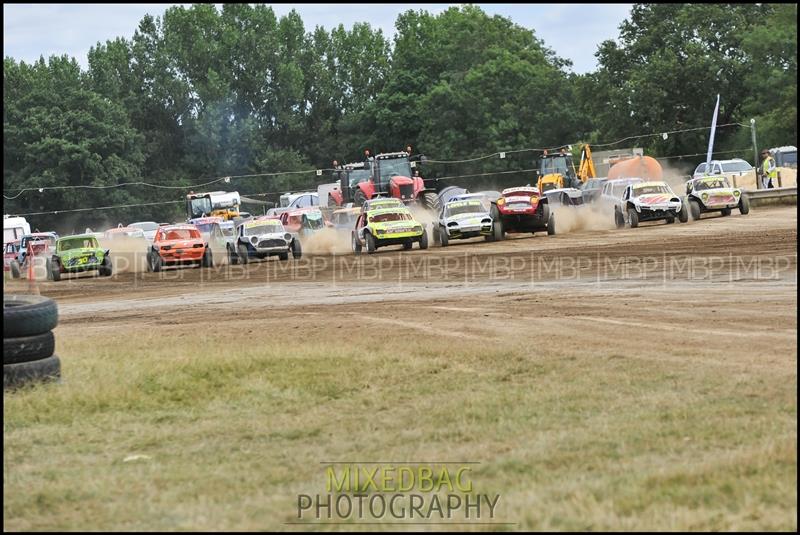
[
  {"x": 747, "y": 256},
  {"x": 605, "y": 379}
]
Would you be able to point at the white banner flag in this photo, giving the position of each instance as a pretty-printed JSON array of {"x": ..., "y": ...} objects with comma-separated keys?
[{"x": 711, "y": 138}]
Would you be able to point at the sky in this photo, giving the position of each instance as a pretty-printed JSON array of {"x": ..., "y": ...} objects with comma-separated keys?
[{"x": 30, "y": 30}]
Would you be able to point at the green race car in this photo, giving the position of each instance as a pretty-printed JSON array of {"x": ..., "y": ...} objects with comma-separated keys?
[
  {"x": 75, "y": 254},
  {"x": 388, "y": 226}
]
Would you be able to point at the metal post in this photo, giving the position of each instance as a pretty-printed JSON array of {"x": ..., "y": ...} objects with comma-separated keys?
[{"x": 755, "y": 151}]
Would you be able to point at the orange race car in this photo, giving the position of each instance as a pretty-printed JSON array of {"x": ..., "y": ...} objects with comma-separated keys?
[{"x": 178, "y": 244}]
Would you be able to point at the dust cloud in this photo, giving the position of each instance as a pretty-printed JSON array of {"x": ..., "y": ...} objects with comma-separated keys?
[{"x": 128, "y": 254}]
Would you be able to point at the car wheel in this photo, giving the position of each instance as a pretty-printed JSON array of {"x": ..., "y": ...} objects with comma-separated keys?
[
  {"x": 725, "y": 212},
  {"x": 423, "y": 240},
  {"x": 683, "y": 215},
  {"x": 744, "y": 205},
  {"x": 283, "y": 256},
  {"x": 444, "y": 239},
  {"x": 244, "y": 256},
  {"x": 694, "y": 209},
  {"x": 15, "y": 271},
  {"x": 208, "y": 259},
  {"x": 53, "y": 271},
  {"x": 619, "y": 220},
  {"x": 355, "y": 243},
  {"x": 497, "y": 225},
  {"x": 407, "y": 245},
  {"x": 633, "y": 217},
  {"x": 670, "y": 220},
  {"x": 297, "y": 252},
  {"x": 233, "y": 258},
  {"x": 371, "y": 245},
  {"x": 106, "y": 268},
  {"x": 155, "y": 262},
  {"x": 551, "y": 225}
]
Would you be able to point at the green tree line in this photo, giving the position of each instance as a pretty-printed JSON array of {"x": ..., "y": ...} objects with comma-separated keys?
[{"x": 203, "y": 92}]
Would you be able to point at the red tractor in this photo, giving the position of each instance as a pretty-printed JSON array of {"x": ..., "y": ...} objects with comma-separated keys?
[{"x": 389, "y": 175}]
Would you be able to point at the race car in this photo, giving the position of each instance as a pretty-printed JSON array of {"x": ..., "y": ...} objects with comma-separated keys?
[
  {"x": 521, "y": 209},
  {"x": 649, "y": 201},
  {"x": 265, "y": 237},
  {"x": 462, "y": 219},
  {"x": 345, "y": 218},
  {"x": 564, "y": 197},
  {"x": 10, "y": 253},
  {"x": 40, "y": 243},
  {"x": 381, "y": 202},
  {"x": 303, "y": 221},
  {"x": 714, "y": 194},
  {"x": 124, "y": 232},
  {"x": 387, "y": 226},
  {"x": 177, "y": 245},
  {"x": 76, "y": 254}
]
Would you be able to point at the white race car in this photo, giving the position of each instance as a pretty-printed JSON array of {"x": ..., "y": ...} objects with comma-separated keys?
[
  {"x": 714, "y": 194},
  {"x": 461, "y": 219},
  {"x": 649, "y": 201}
]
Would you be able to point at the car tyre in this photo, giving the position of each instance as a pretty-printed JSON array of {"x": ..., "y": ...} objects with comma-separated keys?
[
  {"x": 694, "y": 209},
  {"x": 244, "y": 256},
  {"x": 744, "y": 205},
  {"x": 633, "y": 218},
  {"x": 15, "y": 271},
  {"x": 371, "y": 245},
  {"x": 154, "y": 262},
  {"x": 297, "y": 251},
  {"x": 27, "y": 315},
  {"x": 355, "y": 243},
  {"x": 683, "y": 215},
  {"x": 23, "y": 373},
  {"x": 208, "y": 259},
  {"x": 725, "y": 212},
  {"x": 619, "y": 220},
  {"x": 551, "y": 225},
  {"x": 28, "y": 348},
  {"x": 670, "y": 220},
  {"x": 444, "y": 239},
  {"x": 423, "y": 240},
  {"x": 106, "y": 268}
]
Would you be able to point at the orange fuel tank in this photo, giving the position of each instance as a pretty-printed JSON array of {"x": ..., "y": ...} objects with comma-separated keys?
[{"x": 643, "y": 167}]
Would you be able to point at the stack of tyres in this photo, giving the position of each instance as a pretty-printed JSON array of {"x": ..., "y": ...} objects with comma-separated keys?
[{"x": 28, "y": 342}]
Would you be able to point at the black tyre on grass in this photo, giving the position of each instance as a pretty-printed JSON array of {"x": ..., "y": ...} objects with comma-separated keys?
[
  {"x": 23, "y": 373},
  {"x": 27, "y": 315},
  {"x": 28, "y": 348}
]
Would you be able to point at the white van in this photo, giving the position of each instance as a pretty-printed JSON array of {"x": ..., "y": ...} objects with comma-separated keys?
[{"x": 14, "y": 228}]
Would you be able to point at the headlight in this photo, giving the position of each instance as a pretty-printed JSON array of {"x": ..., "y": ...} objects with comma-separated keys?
[
  {"x": 287, "y": 236},
  {"x": 704, "y": 196},
  {"x": 418, "y": 228},
  {"x": 253, "y": 239},
  {"x": 501, "y": 201},
  {"x": 736, "y": 193},
  {"x": 380, "y": 231}
]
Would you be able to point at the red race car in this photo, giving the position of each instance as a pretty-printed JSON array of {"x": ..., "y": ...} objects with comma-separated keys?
[
  {"x": 303, "y": 221},
  {"x": 521, "y": 210},
  {"x": 178, "y": 244},
  {"x": 10, "y": 253}
]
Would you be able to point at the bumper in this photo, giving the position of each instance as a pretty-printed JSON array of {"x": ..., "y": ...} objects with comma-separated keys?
[
  {"x": 182, "y": 256},
  {"x": 654, "y": 214},
  {"x": 523, "y": 223},
  {"x": 398, "y": 238},
  {"x": 472, "y": 231}
]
